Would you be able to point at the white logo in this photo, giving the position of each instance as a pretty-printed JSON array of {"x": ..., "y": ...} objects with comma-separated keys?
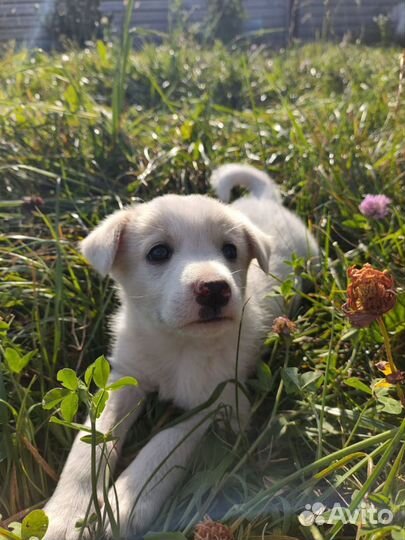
[
  {"x": 312, "y": 514},
  {"x": 364, "y": 514}
]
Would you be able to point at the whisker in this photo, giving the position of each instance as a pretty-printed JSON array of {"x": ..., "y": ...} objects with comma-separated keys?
[{"x": 235, "y": 227}]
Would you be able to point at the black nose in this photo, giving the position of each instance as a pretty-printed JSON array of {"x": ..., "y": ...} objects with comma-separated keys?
[{"x": 214, "y": 294}]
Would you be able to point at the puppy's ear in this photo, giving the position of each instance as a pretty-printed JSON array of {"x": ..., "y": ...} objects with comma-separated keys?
[
  {"x": 103, "y": 244},
  {"x": 259, "y": 245}
]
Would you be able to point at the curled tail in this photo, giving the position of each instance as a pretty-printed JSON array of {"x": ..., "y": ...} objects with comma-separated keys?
[{"x": 260, "y": 185}]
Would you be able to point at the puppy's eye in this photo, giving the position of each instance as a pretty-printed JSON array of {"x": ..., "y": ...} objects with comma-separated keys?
[
  {"x": 159, "y": 253},
  {"x": 230, "y": 252}
]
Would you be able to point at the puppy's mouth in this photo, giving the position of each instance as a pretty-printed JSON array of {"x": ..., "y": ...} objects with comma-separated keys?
[
  {"x": 213, "y": 324},
  {"x": 212, "y": 320},
  {"x": 211, "y": 315}
]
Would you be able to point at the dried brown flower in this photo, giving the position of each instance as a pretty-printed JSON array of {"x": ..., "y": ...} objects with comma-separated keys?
[
  {"x": 283, "y": 326},
  {"x": 29, "y": 204},
  {"x": 370, "y": 294},
  {"x": 212, "y": 530},
  {"x": 391, "y": 377},
  {"x": 383, "y": 366},
  {"x": 397, "y": 377}
]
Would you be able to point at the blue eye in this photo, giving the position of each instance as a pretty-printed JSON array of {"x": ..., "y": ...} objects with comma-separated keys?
[
  {"x": 230, "y": 252},
  {"x": 159, "y": 253}
]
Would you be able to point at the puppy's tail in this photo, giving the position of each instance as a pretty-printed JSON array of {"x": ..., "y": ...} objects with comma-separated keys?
[{"x": 260, "y": 185}]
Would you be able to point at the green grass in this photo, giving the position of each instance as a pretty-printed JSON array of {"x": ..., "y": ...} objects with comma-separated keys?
[{"x": 327, "y": 123}]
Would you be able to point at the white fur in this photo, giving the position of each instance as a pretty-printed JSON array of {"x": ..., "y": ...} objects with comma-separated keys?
[
  {"x": 231, "y": 175},
  {"x": 160, "y": 338}
]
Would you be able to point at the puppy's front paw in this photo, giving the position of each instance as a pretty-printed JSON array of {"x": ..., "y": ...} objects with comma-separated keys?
[
  {"x": 65, "y": 524},
  {"x": 63, "y": 529},
  {"x": 133, "y": 514}
]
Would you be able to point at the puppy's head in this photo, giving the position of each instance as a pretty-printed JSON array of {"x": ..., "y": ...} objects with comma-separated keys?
[{"x": 181, "y": 261}]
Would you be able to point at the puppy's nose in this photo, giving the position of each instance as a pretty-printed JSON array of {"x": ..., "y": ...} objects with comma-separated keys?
[{"x": 212, "y": 293}]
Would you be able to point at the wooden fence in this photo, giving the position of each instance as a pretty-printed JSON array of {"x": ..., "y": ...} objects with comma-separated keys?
[{"x": 25, "y": 20}]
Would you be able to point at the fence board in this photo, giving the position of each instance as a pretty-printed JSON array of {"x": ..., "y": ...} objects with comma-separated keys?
[
  {"x": 20, "y": 18},
  {"x": 140, "y": 4},
  {"x": 19, "y": 22},
  {"x": 345, "y": 16},
  {"x": 150, "y": 14},
  {"x": 25, "y": 9}
]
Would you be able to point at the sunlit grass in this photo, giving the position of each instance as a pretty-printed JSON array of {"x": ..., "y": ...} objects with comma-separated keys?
[{"x": 326, "y": 122}]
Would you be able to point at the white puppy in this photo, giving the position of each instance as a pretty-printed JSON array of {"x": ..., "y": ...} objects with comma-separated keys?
[{"x": 187, "y": 267}]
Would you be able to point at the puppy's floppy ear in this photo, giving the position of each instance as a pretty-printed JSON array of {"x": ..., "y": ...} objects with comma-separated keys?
[
  {"x": 259, "y": 245},
  {"x": 102, "y": 245}
]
